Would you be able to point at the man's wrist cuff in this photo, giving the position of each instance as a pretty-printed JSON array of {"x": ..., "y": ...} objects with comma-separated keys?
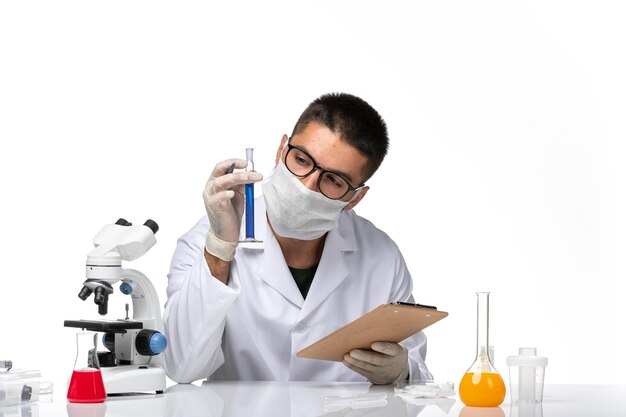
[
  {"x": 404, "y": 376},
  {"x": 220, "y": 248}
]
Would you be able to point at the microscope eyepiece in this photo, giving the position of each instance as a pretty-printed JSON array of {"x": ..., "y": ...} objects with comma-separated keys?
[
  {"x": 84, "y": 293},
  {"x": 123, "y": 222},
  {"x": 152, "y": 225}
]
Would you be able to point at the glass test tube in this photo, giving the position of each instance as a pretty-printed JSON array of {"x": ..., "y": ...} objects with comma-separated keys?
[{"x": 250, "y": 199}]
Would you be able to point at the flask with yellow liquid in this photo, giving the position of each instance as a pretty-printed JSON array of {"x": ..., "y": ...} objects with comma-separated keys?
[{"x": 482, "y": 385}]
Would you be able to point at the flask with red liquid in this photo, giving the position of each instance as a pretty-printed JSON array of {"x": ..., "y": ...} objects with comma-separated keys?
[{"x": 86, "y": 385}]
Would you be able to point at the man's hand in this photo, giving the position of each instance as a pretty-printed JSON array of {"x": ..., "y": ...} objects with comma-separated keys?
[
  {"x": 224, "y": 201},
  {"x": 386, "y": 363}
]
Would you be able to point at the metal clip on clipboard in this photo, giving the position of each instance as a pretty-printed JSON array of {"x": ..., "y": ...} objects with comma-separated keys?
[{"x": 402, "y": 303}]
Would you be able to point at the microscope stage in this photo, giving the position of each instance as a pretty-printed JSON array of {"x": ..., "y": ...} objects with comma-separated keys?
[{"x": 109, "y": 326}]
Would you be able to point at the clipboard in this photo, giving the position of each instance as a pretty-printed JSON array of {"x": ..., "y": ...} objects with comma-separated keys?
[{"x": 386, "y": 323}]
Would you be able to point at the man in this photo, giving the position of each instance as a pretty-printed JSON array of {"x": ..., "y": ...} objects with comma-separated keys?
[{"x": 243, "y": 311}]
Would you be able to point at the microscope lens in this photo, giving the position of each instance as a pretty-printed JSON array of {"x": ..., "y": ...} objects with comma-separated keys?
[
  {"x": 103, "y": 308},
  {"x": 84, "y": 293},
  {"x": 99, "y": 296}
]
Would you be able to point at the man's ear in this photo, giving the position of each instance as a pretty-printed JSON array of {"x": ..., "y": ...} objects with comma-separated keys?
[
  {"x": 279, "y": 152},
  {"x": 358, "y": 198}
]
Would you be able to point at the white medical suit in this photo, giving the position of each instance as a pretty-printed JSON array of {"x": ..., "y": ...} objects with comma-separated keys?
[{"x": 252, "y": 328}]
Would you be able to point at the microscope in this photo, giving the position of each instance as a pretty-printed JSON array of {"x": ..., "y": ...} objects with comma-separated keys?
[{"x": 132, "y": 362}]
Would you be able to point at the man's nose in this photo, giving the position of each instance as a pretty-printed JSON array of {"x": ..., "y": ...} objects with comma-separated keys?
[{"x": 310, "y": 181}]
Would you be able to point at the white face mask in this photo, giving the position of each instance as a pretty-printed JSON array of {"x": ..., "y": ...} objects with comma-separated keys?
[{"x": 297, "y": 212}]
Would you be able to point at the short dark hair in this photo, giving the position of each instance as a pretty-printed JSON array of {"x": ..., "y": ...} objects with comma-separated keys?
[{"x": 356, "y": 123}]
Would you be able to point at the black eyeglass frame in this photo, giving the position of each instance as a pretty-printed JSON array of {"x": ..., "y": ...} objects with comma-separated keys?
[{"x": 322, "y": 171}]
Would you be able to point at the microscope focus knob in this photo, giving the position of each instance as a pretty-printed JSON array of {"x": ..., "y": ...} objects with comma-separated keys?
[
  {"x": 150, "y": 342},
  {"x": 126, "y": 288}
]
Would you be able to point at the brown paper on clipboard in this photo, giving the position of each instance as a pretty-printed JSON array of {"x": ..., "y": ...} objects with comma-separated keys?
[{"x": 385, "y": 323}]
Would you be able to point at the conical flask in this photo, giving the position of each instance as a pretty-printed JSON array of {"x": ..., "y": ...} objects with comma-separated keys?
[
  {"x": 86, "y": 385},
  {"x": 482, "y": 385}
]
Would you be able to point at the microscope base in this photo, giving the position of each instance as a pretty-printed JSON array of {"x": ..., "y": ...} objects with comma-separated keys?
[{"x": 126, "y": 379}]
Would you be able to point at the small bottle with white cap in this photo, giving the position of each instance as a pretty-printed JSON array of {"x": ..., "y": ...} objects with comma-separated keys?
[{"x": 526, "y": 373}]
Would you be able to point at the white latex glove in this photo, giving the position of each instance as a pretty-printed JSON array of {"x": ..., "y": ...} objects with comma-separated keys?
[
  {"x": 224, "y": 197},
  {"x": 387, "y": 362}
]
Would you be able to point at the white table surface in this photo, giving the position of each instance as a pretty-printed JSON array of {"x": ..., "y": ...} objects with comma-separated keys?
[{"x": 282, "y": 399}]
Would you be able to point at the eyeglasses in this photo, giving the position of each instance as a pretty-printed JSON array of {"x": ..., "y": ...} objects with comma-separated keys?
[{"x": 330, "y": 184}]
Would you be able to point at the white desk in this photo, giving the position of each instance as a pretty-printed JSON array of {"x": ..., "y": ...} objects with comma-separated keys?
[{"x": 303, "y": 399}]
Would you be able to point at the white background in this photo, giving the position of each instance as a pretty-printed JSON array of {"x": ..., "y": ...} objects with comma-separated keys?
[{"x": 505, "y": 171}]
